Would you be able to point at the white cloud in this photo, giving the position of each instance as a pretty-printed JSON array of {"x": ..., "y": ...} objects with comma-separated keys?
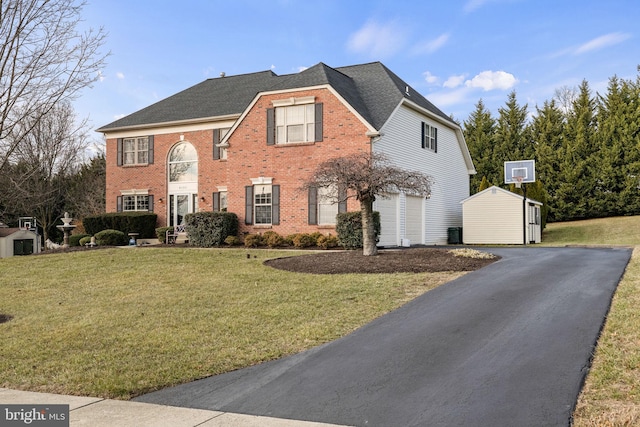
[
  {"x": 472, "y": 5},
  {"x": 120, "y": 75},
  {"x": 100, "y": 76},
  {"x": 302, "y": 68},
  {"x": 432, "y": 45},
  {"x": 490, "y": 80},
  {"x": 377, "y": 39},
  {"x": 454, "y": 81},
  {"x": 430, "y": 78},
  {"x": 453, "y": 97},
  {"x": 602, "y": 42},
  {"x": 118, "y": 116}
]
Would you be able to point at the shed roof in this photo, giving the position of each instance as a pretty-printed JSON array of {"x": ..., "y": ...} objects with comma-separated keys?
[{"x": 502, "y": 190}]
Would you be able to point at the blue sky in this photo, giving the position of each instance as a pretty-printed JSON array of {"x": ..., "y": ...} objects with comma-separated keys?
[{"x": 453, "y": 52}]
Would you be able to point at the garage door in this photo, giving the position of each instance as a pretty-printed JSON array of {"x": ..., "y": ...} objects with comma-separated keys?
[
  {"x": 414, "y": 224},
  {"x": 388, "y": 208}
]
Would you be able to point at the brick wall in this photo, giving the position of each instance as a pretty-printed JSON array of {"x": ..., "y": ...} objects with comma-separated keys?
[{"x": 248, "y": 157}]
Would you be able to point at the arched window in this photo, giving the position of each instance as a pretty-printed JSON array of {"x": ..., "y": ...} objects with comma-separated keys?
[{"x": 183, "y": 163}]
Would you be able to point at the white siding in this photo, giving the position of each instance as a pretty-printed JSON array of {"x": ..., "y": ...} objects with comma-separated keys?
[
  {"x": 401, "y": 142},
  {"x": 494, "y": 216}
]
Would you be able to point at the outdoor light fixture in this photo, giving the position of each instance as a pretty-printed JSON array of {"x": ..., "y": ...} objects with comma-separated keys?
[
  {"x": 161, "y": 200},
  {"x": 202, "y": 199}
]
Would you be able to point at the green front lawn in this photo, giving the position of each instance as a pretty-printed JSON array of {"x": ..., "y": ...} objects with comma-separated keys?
[{"x": 120, "y": 322}]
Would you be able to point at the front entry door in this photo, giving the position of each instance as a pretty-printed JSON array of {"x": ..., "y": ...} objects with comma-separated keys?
[{"x": 179, "y": 206}]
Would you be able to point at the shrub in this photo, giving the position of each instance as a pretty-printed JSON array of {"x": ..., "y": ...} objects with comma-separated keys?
[
  {"x": 161, "y": 233},
  {"x": 273, "y": 239},
  {"x": 207, "y": 229},
  {"x": 85, "y": 240},
  {"x": 232, "y": 240},
  {"x": 111, "y": 238},
  {"x": 74, "y": 239},
  {"x": 327, "y": 242},
  {"x": 252, "y": 240},
  {"x": 349, "y": 228},
  {"x": 143, "y": 223},
  {"x": 303, "y": 240},
  {"x": 315, "y": 236}
]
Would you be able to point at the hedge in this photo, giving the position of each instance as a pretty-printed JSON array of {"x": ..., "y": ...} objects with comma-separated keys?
[
  {"x": 349, "y": 228},
  {"x": 111, "y": 238},
  {"x": 208, "y": 229},
  {"x": 143, "y": 223}
]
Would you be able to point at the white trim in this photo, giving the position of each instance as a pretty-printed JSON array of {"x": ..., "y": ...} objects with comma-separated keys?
[
  {"x": 134, "y": 192},
  {"x": 261, "y": 180},
  {"x": 293, "y": 101},
  {"x": 183, "y": 126}
]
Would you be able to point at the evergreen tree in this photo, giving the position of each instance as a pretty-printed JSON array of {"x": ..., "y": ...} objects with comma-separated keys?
[
  {"x": 479, "y": 131},
  {"x": 574, "y": 195},
  {"x": 484, "y": 184},
  {"x": 512, "y": 137},
  {"x": 618, "y": 124},
  {"x": 547, "y": 131}
]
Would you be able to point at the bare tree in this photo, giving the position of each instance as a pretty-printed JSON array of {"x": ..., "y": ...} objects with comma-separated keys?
[
  {"x": 41, "y": 164},
  {"x": 366, "y": 176},
  {"x": 43, "y": 61},
  {"x": 566, "y": 96}
]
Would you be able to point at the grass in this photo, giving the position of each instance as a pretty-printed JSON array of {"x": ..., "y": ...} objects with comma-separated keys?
[
  {"x": 117, "y": 323},
  {"x": 611, "y": 393}
]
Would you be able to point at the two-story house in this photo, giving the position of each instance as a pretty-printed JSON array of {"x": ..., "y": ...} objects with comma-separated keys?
[{"x": 245, "y": 144}]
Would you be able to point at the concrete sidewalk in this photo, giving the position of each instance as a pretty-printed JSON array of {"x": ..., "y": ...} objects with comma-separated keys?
[{"x": 97, "y": 412}]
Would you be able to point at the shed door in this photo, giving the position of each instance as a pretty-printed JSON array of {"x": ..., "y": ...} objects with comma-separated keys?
[
  {"x": 388, "y": 208},
  {"x": 414, "y": 220},
  {"x": 22, "y": 247}
]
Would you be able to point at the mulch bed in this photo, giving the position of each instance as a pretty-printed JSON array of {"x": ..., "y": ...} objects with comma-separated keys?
[{"x": 413, "y": 260}]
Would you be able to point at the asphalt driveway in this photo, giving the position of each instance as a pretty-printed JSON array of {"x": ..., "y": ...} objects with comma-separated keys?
[{"x": 506, "y": 345}]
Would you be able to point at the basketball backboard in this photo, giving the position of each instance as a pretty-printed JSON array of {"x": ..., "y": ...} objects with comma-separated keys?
[{"x": 520, "y": 171}]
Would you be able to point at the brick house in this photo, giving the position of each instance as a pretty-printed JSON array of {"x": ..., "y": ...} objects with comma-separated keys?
[{"x": 245, "y": 143}]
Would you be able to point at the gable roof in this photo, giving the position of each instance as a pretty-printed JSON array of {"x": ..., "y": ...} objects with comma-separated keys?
[
  {"x": 8, "y": 231},
  {"x": 371, "y": 89},
  {"x": 503, "y": 191},
  {"x": 217, "y": 97}
]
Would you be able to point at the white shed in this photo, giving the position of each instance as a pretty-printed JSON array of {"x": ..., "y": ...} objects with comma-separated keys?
[
  {"x": 18, "y": 241},
  {"x": 494, "y": 216}
]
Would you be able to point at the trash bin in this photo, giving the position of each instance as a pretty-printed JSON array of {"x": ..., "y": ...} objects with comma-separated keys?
[{"x": 455, "y": 235}]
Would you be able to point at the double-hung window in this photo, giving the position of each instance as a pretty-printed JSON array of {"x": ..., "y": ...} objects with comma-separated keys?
[
  {"x": 262, "y": 204},
  {"x": 325, "y": 203},
  {"x": 294, "y": 120},
  {"x": 429, "y": 137},
  {"x": 295, "y": 124},
  {"x": 135, "y": 151}
]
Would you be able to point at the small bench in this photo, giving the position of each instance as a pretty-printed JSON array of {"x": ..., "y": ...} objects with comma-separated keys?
[{"x": 173, "y": 234}]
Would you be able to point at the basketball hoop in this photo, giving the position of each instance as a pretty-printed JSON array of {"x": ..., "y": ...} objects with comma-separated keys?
[{"x": 518, "y": 182}]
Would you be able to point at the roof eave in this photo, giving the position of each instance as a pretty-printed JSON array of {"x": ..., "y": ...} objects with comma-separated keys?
[{"x": 172, "y": 123}]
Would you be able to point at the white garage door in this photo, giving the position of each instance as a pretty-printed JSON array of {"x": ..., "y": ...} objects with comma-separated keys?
[
  {"x": 388, "y": 208},
  {"x": 414, "y": 220}
]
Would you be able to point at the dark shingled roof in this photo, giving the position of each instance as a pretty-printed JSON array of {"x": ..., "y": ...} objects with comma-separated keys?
[{"x": 371, "y": 89}]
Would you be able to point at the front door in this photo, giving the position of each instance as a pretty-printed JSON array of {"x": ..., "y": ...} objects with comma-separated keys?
[{"x": 179, "y": 206}]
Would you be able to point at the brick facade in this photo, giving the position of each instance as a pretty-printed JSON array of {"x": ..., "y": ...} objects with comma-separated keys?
[{"x": 248, "y": 156}]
